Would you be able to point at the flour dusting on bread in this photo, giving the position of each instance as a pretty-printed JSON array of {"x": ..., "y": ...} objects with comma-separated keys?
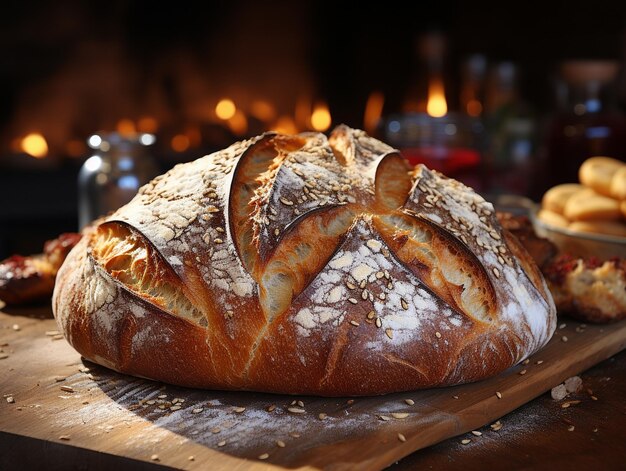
[{"x": 303, "y": 264}]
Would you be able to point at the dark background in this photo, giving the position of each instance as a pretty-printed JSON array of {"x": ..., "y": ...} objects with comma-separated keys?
[{"x": 72, "y": 68}]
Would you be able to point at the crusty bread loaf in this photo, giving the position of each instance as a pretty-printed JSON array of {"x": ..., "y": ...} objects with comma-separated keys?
[{"x": 301, "y": 264}]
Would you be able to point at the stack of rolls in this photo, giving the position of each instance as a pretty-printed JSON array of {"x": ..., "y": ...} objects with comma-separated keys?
[{"x": 597, "y": 204}]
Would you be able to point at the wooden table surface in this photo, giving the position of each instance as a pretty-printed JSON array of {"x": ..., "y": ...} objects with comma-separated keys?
[{"x": 542, "y": 434}]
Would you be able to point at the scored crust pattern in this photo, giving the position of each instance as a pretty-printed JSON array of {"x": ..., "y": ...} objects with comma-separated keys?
[{"x": 305, "y": 264}]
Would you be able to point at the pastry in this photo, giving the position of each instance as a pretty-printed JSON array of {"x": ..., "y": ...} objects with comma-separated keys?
[
  {"x": 28, "y": 279},
  {"x": 598, "y": 172},
  {"x": 587, "y": 205},
  {"x": 555, "y": 198}
]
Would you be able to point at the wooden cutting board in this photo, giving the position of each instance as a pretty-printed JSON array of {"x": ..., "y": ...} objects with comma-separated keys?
[{"x": 60, "y": 398}]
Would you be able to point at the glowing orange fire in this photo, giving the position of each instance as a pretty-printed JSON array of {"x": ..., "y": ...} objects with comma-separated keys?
[
  {"x": 320, "y": 118},
  {"x": 373, "y": 111},
  {"x": 225, "y": 109},
  {"x": 126, "y": 127},
  {"x": 436, "y": 105},
  {"x": 285, "y": 125},
  {"x": 35, "y": 145}
]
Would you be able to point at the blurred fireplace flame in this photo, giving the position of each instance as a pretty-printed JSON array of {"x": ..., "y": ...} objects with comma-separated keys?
[
  {"x": 35, "y": 145},
  {"x": 373, "y": 111},
  {"x": 320, "y": 118},
  {"x": 263, "y": 111},
  {"x": 285, "y": 125},
  {"x": 225, "y": 109},
  {"x": 148, "y": 124},
  {"x": 436, "y": 105},
  {"x": 126, "y": 127},
  {"x": 180, "y": 143}
]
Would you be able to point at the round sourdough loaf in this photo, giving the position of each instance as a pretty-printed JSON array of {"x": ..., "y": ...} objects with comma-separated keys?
[{"x": 301, "y": 264}]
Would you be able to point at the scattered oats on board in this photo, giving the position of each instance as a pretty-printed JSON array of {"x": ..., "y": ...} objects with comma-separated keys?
[
  {"x": 401, "y": 437},
  {"x": 567, "y": 404},
  {"x": 399, "y": 415}
]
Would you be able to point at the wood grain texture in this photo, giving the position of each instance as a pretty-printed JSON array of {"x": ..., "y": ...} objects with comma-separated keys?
[
  {"x": 110, "y": 414},
  {"x": 545, "y": 435}
]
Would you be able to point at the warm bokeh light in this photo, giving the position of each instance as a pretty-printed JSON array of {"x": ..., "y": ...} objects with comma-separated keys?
[
  {"x": 436, "y": 106},
  {"x": 320, "y": 118},
  {"x": 225, "y": 109},
  {"x": 147, "y": 124},
  {"x": 180, "y": 143},
  {"x": 285, "y": 125},
  {"x": 126, "y": 127},
  {"x": 474, "y": 108},
  {"x": 373, "y": 111},
  {"x": 263, "y": 111},
  {"x": 238, "y": 123},
  {"x": 35, "y": 145}
]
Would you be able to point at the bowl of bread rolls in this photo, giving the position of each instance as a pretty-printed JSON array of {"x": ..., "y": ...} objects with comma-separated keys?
[{"x": 587, "y": 218}]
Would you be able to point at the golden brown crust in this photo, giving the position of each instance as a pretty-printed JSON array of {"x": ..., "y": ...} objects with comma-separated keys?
[{"x": 299, "y": 264}]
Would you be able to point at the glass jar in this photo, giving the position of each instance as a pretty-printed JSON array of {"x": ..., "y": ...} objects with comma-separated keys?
[
  {"x": 510, "y": 124},
  {"x": 111, "y": 177},
  {"x": 450, "y": 144},
  {"x": 588, "y": 121}
]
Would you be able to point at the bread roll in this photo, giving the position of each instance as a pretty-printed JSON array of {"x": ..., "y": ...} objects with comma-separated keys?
[
  {"x": 304, "y": 265},
  {"x": 597, "y": 173},
  {"x": 587, "y": 205},
  {"x": 551, "y": 218},
  {"x": 618, "y": 184},
  {"x": 556, "y": 197}
]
